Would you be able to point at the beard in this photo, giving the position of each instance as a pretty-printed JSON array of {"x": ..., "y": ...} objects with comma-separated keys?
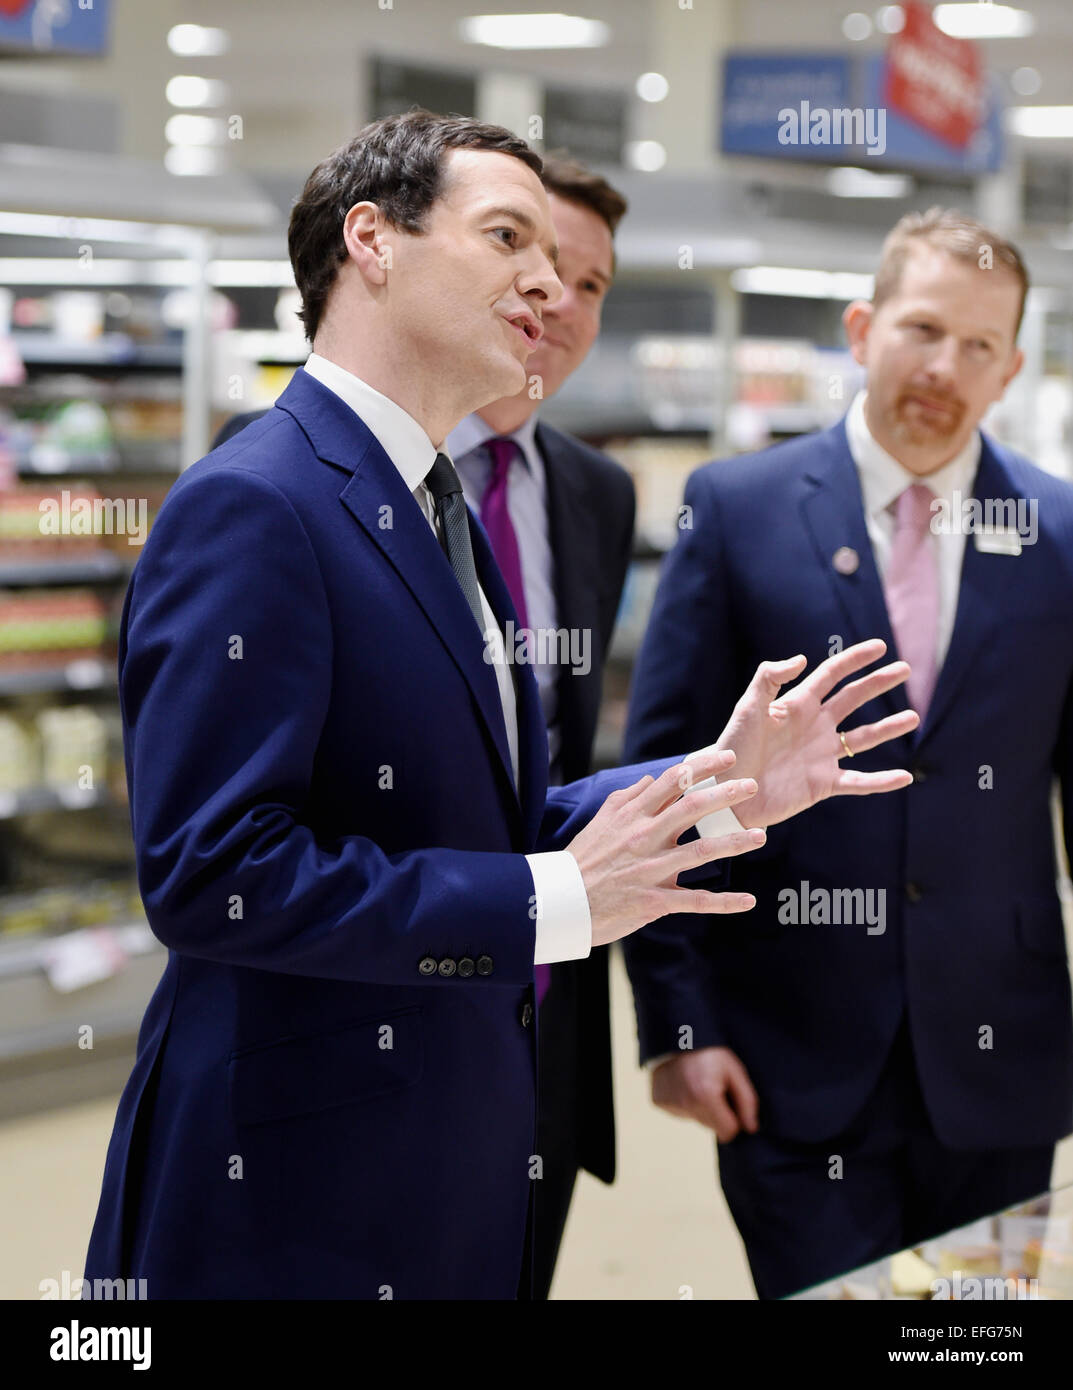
[{"x": 915, "y": 424}]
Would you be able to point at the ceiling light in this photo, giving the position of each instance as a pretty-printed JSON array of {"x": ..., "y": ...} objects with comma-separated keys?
[
  {"x": 195, "y": 91},
  {"x": 193, "y": 159},
  {"x": 891, "y": 19},
  {"x": 1041, "y": 122},
  {"x": 850, "y": 182},
  {"x": 645, "y": 155},
  {"x": 195, "y": 130},
  {"x": 856, "y": 26},
  {"x": 534, "y": 31},
  {"x": 1026, "y": 82},
  {"x": 652, "y": 86},
  {"x": 195, "y": 40},
  {"x": 982, "y": 21},
  {"x": 802, "y": 284}
]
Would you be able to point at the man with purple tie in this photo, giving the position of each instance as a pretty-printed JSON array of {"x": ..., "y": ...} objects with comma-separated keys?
[
  {"x": 885, "y": 1049},
  {"x": 559, "y": 515}
]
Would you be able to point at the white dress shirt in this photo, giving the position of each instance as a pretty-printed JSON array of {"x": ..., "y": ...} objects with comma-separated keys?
[
  {"x": 884, "y": 479},
  {"x": 563, "y": 922}
]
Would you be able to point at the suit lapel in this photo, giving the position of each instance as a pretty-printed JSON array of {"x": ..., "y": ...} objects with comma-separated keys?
[
  {"x": 984, "y": 581},
  {"x": 577, "y": 578},
  {"x": 833, "y": 511},
  {"x": 379, "y": 501}
]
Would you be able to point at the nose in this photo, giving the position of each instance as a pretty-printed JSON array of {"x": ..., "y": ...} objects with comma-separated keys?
[
  {"x": 538, "y": 282},
  {"x": 942, "y": 362}
]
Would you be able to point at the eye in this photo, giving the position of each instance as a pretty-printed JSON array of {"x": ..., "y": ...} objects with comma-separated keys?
[
  {"x": 980, "y": 345},
  {"x": 510, "y": 232},
  {"x": 590, "y": 287}
]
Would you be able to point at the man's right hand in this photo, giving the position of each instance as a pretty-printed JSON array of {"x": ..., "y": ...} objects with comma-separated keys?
[
  {"x": 710, "y": 1086},
  {"x": 629, "y": 856}
]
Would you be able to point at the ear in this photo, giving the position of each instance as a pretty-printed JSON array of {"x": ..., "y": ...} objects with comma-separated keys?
[
  {"x": 364, "y": 235},
  {"x": 857, "y": 320}
]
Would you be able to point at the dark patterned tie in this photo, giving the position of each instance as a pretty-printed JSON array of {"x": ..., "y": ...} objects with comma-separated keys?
[{"x": 442, "y": 481}]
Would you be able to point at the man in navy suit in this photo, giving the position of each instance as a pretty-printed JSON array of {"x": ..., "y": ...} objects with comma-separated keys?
[
  {"x": 571, "y": 514},
  {"x": 337, "y": 776},
  {"x": 884, "y": 1047}
]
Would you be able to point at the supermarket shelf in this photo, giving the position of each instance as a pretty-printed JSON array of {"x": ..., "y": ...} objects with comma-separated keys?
[
  {"x": 28, "y": 954},
  {"x": 40, "y": 349},
  {"x": 141, "y": 456},
  {"x": 88, "y": 673},
  {"x": 34, "y": 799},
  {"x": 92, "y": 569}
]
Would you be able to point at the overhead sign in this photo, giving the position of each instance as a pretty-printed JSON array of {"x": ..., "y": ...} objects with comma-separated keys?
[
  {"x": 395, "y": 87},
  {"x": 828, "y": 108},
  {"x": 55, "y": 26},
  {"x": 589, "y": 123},
  {"x": 935, "y": 80}
]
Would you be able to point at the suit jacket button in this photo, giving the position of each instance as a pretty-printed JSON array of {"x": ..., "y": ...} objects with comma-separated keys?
[
  {"x": 447, "y": 967},
  {"x": 484, "y": 965},
  {"x": 427, "y": 965},
  {"x": 914, "y": 892},
  {"x": 466, "y": 967},
  {"x": 527, "y": 1015}
]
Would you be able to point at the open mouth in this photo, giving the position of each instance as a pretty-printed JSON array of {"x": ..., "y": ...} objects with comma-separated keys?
[{"x": 529, "y": 327}]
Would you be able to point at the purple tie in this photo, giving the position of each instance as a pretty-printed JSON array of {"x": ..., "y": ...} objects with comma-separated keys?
[
  {"x": 912, "y": 592},
  {"x": 495, "y": 518}
]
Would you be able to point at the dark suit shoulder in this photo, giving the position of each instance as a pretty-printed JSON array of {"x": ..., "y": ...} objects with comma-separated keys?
[
  {"x": 595, "y": 467},
  {"x": 768, "y": 467}
]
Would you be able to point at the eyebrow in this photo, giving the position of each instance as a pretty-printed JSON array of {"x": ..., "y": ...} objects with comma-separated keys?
[
  {"x": 925, "y": 314},
  {"x": 523, "y": 218}
]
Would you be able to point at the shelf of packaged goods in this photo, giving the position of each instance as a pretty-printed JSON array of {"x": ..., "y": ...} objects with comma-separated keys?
[
  {"x": 140, "y": 456},
  {"x": 93, "y": 568},
  {"x": 38, "y": 349},
  {"x": 62, "y": 798},
  {"x": 87, "y": 673}
]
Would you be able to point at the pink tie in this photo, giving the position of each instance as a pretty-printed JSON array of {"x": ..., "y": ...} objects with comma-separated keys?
[
  {"x": 912, "y": 592},
  {"x": 495, "y": 517}
]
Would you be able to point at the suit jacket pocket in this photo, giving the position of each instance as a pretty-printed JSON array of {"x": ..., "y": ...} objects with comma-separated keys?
[
  {"x": 354, "y": 1062},
  {"x": 1040, "y": 928}
]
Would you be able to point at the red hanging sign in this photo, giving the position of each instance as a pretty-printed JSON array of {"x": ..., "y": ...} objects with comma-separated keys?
[{"x": 934, "y": 79}]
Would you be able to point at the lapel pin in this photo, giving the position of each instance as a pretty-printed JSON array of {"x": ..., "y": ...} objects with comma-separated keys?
[{"x": 845, "y": 560}]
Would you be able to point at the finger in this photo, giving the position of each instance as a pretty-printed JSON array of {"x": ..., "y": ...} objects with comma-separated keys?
[
  {"x": 743, "y": 1095},
  {"x": 851, "y": 697},
  {"x": 771, "y": 676},
  {"x": 719, "y": 1116},
  {"x": 683, "y": 776},
  {"x": 867, "y": 783},
  {"x": 698, "y": 900},
  {"x": 867, "y": 736},
  {"x": 836, "y": 668},
  {"x": 709, "y": 847},
  {"x": 691, "y": 806}
]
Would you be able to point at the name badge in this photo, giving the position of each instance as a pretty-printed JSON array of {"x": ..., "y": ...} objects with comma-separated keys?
[{"x": 997, "y": 540}]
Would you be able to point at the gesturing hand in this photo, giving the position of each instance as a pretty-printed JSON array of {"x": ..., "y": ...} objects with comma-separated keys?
[
  {"x": 791, "y": 746},
  {"x": 630, "y": 858}
]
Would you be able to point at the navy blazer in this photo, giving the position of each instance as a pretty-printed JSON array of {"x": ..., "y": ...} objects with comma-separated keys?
[
  {"x": 972, "y": 937},
  {"x": 334, "y": 1089}
]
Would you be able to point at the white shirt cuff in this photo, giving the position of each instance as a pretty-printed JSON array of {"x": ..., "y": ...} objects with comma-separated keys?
[
  {"x": 723, "y": 822},
  {"x": 563, "y": 923}
]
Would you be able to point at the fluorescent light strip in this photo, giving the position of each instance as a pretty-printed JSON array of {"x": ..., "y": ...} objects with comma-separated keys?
[
  {"x": 534, "y": 31},
  {"x": 802, "y": 284},
  {"x": 979, "y": 21},
  {"x": 91, "y": 229},
  {"x": 1041, "y": 122},
  {"x": 60, "y": 270}
]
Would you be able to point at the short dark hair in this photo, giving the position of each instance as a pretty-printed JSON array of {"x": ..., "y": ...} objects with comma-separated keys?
[
  {"x": 959, "y": 236},
  {"x": 396, "y": 163},
  {"x": 568, "y": 179}
]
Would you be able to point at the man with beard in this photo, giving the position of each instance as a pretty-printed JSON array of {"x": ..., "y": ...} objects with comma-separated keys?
[{"x": 884, "y": 1050}]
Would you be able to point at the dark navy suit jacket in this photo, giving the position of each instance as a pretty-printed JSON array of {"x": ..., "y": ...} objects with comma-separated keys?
[
  {"x": 322, "y": 804},
  {"x": 973, "y": 937}
]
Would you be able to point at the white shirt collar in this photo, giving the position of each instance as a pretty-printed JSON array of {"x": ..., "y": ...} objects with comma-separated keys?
[
  {"x": 884, "y": 479},
  {"x": 402, "y": 438}
]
